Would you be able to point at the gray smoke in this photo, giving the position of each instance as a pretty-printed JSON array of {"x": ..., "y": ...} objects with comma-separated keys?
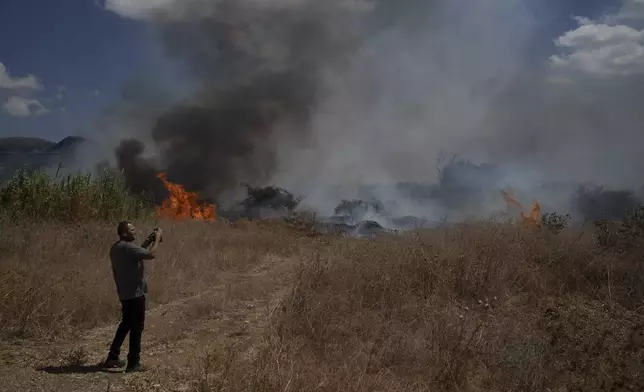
[
  {"x": 324, "y": 97},
  {"x": 261, "y": 69}
]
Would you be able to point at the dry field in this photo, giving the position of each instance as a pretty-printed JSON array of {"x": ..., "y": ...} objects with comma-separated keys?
[{"x": 264, "y": 307}]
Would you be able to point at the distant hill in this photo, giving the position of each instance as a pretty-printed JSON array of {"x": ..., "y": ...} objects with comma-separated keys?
[
  {"x": 36, "y": 145},
  {"x": 22, "y": 145},
  {"x": 67, "y": 144},
  {"x": 34, "y": 153}
]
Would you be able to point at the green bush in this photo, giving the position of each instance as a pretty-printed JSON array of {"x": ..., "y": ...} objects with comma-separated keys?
[{"x": 35, "y": 195}]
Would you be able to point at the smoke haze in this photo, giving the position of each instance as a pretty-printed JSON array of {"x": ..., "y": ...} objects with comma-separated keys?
[
  {"x": 260, "y": 69},
  {"x": 323, "y": 97}
]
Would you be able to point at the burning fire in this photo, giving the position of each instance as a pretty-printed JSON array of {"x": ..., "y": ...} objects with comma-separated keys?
[
  {"x": 531, "y": 218},
  {"x": 182, "y": 204}
]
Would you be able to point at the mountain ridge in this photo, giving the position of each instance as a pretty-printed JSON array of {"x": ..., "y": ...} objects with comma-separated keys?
[
  {"x": 36, "y": 145},
  {"x": 18, "y": 152}
]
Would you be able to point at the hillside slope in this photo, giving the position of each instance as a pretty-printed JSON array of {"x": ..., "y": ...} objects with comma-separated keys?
[
  {"x": 21, "y": 145},
  {"x": 35, "y": 153}
]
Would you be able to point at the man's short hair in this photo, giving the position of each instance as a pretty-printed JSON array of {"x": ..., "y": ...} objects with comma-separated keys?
[{"x": 122, "y": 228}]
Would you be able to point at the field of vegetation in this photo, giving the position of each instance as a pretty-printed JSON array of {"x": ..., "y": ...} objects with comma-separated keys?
[{"x": 480, "y": 306}]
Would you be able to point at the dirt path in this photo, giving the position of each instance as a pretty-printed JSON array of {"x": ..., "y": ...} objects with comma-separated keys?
[{"x": 176, "y": 337}]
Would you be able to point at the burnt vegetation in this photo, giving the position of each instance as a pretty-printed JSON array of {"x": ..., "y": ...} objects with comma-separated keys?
[
  {"x": 268, "y": 199},
  {"x": 596, "y": 203},
  {"x": 356, "y": 209},
  {"x": 481, "y": 305},
  {"x": 477, "y": 306}
]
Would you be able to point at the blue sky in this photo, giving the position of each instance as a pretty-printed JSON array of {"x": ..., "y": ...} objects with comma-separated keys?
[{"x": 82, "y": 56}]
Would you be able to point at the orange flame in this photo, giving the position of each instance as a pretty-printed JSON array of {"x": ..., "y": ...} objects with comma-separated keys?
[
  {"x": 531, "y": 218},
  {"x": 182, "y": 204}
]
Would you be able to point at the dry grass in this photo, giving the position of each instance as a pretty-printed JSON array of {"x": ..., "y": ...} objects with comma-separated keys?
[
  {"x": 55, "y": 279},
  {"x": 474, "y": 308},
  {"x": 480, "y": 307}
]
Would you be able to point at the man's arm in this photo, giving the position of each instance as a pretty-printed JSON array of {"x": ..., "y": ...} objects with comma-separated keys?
[{"x": 137, "y": 252}]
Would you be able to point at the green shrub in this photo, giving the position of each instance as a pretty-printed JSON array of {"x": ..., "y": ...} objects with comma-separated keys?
[{"x": 36, "y": 195}]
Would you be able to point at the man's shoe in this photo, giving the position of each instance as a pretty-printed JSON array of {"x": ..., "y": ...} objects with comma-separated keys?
[
  {"x": 112, "y": 364},
  {"x": 135, "y": 368}
]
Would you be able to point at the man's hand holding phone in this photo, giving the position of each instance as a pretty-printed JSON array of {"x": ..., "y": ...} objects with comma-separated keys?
[{"x": 157, "y": 232}]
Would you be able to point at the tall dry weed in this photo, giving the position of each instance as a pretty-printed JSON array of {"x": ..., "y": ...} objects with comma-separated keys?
[
  {"x": 475, "y": 307},
  {"x": 56, "y": 279}
]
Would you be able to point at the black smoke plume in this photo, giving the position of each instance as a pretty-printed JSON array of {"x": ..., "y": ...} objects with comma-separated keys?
[
  {"x": 260, "y": 69},
  {"x": 377, "y": 91},
  {"x": 140, "y": 174}
]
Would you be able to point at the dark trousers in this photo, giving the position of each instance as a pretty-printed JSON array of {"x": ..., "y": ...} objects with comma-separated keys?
[{"x": 132, "y": 322}]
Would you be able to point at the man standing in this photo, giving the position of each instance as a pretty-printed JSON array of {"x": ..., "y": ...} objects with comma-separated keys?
[{"x": 128, "y": 269}]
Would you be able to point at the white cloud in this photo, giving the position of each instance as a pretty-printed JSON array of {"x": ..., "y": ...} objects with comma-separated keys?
[
  {"x": 604, "y": 48},
  {"x": 7, "y": 82},
  {"x": 24, "y": 107},
  {"x": 631, "y": 10},
  {"x": 599, "y": 35},
  {"x": 136, "y": 9}
]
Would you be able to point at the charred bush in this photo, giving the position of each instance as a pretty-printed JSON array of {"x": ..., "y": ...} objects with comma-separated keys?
[
  {"x": 624, "y": 235},
  {"x": 555, "y": 222},
  {"x": 356, "y": 209},
  {"x": 594, "y": 203},
  {"x": 270, "y": 197}
]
